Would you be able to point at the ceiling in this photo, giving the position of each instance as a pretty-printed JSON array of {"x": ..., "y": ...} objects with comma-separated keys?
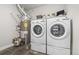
[{"x": 31, "y": 6}]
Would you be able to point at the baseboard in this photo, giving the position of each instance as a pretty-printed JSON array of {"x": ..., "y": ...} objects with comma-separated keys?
[{"x": 4, "y": 47}]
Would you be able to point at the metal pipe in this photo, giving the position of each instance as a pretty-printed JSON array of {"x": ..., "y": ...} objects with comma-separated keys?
[
  {"x": 23, "y": 13},
  {"x": 18, "y": 5}
]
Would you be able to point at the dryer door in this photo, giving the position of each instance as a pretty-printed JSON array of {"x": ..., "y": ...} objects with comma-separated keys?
[
  {"x": 38, "y": 30},
  {"x": 58, "y": 30}
]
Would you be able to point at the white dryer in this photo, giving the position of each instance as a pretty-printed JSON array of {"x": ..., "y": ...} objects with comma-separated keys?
[
  {"x": 58, "y": 36},
  {"x": 38, "y": 35}
]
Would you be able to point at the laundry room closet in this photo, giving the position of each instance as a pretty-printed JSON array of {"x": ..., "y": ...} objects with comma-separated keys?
[
  {"x": 48, "y": 10},
  {"x": 52, "y": 29},
  {"x": 37, "y": 40}
]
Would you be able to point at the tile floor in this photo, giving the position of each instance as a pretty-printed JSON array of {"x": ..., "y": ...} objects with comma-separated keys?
[{"x": 19, "y": 51}]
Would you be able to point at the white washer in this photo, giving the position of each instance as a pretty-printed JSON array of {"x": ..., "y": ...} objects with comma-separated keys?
[
  {"x": 58, "y": 36},
  {"x": 38, "y": 35}
]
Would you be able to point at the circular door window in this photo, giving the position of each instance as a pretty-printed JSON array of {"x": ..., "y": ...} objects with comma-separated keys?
[
  {"x": 37, "y": 29},
  {"x": 57, "y": 30}
]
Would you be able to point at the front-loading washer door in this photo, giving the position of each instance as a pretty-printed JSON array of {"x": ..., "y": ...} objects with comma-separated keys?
[
  {"x": 58, "y": 30},
  {"x": 37, "y": 30}
]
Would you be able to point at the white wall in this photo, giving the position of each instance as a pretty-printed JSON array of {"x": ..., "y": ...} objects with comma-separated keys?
[
  {"x": 73, "y": 12},
  {"x": 7, "y": 25},
  {"x": 45, "y": 10}
]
